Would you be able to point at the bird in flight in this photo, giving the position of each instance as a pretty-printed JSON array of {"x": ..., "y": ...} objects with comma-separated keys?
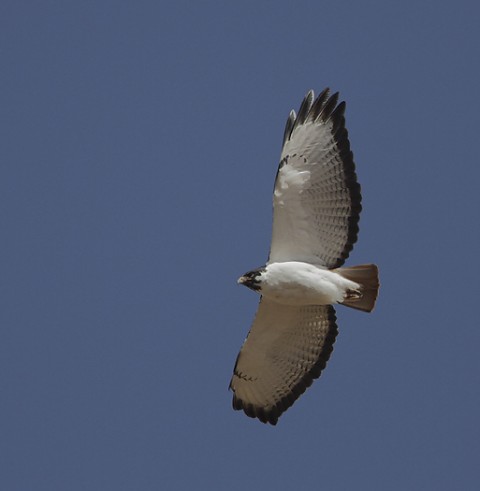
[{"x": 316, "y": 209}]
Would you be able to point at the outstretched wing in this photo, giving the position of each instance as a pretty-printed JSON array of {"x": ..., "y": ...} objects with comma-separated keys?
[
  {"x": 317, "y": 200},
  {"x": 285, "y": 350}
]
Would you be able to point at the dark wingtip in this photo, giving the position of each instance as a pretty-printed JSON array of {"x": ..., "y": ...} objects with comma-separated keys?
[
  {"x": 318, "y": 104},
  {"x": 305, "y": 108},
  {"x": 294, "y": 119},
  {"x": 311, "y": 109},
  {"x": 289, "y": 126}
]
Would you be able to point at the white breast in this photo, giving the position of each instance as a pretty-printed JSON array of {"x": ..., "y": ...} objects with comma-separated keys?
[{"x": 298, "y": 283}]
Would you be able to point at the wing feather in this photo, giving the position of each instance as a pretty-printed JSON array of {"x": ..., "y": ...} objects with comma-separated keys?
[
  {"x": 286, "y": 349},
  {"x": 317, "y": 198}
]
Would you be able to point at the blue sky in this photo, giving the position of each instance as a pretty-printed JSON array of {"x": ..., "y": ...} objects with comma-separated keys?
[{"x": 139, "y": 146}]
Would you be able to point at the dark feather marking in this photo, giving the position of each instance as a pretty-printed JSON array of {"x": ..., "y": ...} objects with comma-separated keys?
[
  {"x": 319, "y": 103},
  {"x": 329, "y": 107},
  {"x": 304, "y": 108},
  {"x": 341, "y": 138},
  {"x": 289, "y": 126},
  {"x": 337, "y": 116}
]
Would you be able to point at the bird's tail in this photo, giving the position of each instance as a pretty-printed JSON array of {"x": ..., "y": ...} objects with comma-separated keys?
[{"x": 366, "y": 275}]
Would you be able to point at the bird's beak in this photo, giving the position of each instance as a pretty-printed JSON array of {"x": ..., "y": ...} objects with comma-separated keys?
[{"x": 241, "y": 280}]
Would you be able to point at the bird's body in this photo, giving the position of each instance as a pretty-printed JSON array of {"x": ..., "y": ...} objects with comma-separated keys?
[
  {"x": 317, "y": 204},
  {"x": 299, "y": 283}
]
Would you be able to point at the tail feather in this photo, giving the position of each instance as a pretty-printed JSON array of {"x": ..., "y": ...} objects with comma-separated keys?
[{"x": 366, "y": 275}]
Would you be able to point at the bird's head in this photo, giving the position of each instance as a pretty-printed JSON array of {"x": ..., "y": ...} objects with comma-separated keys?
[{"x": 252, "y": 279}]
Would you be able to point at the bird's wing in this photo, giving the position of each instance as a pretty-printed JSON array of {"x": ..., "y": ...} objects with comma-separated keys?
[
  {"x": 317, "y": 200},
  {"x": 286, "y": 349}
]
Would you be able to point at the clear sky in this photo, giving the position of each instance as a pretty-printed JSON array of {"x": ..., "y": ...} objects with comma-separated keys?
[{"x": 139, "y": 144}]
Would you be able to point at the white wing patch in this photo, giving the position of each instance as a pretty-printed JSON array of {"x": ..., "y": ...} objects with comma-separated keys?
[{"x": 290, "y": 181}]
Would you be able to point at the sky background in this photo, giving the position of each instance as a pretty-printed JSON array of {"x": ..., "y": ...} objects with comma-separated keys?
[{"x": 139, "y": 144}]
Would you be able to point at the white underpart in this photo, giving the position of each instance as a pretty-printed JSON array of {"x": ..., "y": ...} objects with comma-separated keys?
[
  {"x": 288, "y": 178},
  {"x": 298, "y": 283}
]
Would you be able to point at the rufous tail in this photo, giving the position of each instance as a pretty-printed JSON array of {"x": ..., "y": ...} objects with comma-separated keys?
[{"x": 366, "y": 275}]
